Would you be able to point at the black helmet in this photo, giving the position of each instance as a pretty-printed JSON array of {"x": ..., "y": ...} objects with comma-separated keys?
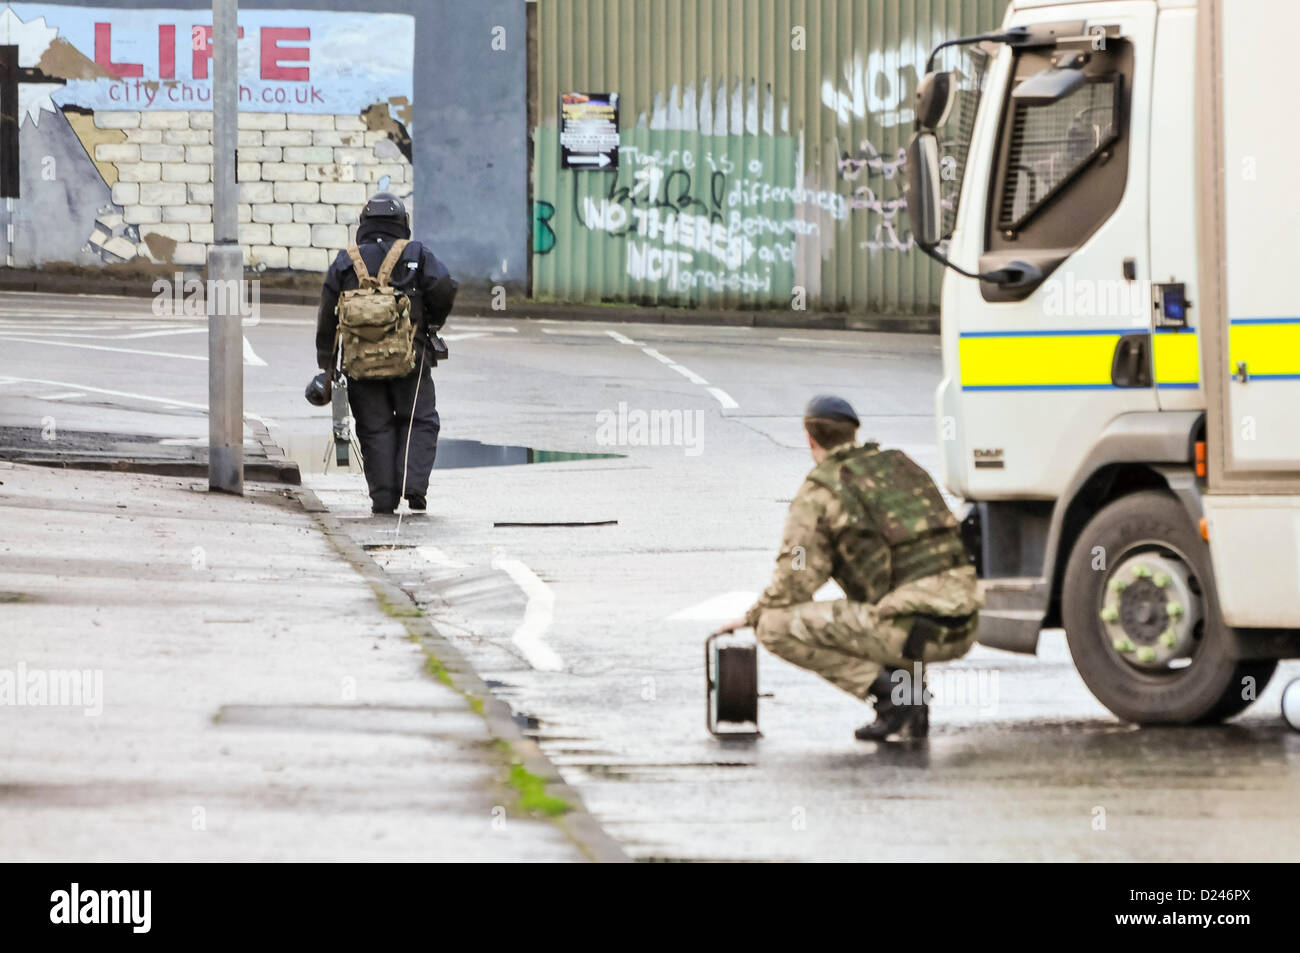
[
  {"x": 385, "y": 205},
  {"x": 320, "y": 390}
]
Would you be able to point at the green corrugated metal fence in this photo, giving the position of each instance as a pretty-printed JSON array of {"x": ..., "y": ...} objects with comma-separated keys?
[{"x": 760, "y": 149}]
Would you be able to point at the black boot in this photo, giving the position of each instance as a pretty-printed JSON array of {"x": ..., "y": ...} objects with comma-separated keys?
[
  {"x": 417, "y": 502},
  {"x": 893, "y": 721}
]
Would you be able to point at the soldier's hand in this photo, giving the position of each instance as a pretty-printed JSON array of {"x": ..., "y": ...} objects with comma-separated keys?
[{"x": 732, "y": 626}]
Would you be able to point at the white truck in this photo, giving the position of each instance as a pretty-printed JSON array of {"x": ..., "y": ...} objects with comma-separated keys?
[{"x": 1107, "y": 182}]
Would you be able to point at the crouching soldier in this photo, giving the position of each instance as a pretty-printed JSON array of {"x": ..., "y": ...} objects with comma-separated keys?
[
  {"x": 383, "y": 302},
  {"x": 874, "y": 521}
]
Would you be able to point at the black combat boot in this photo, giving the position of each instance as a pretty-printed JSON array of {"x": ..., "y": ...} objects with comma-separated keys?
[{"x": 893, "y": 721}]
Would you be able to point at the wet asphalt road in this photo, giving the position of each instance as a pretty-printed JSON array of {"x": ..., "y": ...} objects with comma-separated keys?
[{"x": 1022, "y": 762}]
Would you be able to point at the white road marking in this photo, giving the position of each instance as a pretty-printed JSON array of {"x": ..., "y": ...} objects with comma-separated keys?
[
  {"x": 184, "y": 442},
  {"x": 436, "y": 556},
  {"x": 465, "y": 337},
  {"x": 732, "y": 605},
  {"x": 528, "y": 638},
  {"x": 101, "y": 347},
  {"x": 145, "y": 397},
  {"x": 723, "y": 398},
  {"x": 574, "y": 333},
  {"x": 720, "y": 395},
  {"x": 691, "y": 376},
  {"x": 250, "y": 356},
  {"x": 67, "y": 395},
  {"x": 157, "y": 334}
]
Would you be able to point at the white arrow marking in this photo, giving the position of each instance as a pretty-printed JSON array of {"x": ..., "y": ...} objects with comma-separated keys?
[
  {"x": 602, "y": 160},
  {"x": 537, "y": 616}
]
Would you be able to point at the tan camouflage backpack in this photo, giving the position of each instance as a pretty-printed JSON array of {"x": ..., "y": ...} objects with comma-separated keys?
[{"x": 375, "y": 327}]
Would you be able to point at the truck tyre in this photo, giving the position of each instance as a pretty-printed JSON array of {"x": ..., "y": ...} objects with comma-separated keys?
[{"x": 1142, "y": 618}]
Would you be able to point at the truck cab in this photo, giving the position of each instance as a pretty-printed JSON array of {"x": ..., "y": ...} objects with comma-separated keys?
[{"x": 1105, "y": 181}]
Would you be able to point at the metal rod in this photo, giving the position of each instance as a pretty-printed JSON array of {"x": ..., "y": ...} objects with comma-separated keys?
[{"x": 225, "y": 292}]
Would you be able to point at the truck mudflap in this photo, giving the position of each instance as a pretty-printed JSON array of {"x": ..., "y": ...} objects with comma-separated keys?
[{"x": 1013, "y": 612}]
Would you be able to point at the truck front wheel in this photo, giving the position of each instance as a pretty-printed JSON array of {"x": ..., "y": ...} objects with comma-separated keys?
[{"x": 1142, "y": 618}]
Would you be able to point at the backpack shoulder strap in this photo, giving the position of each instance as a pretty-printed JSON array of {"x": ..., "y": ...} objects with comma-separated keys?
[
  {"x": 390, "y": 261},
  {"x": 358, "y": 265}
]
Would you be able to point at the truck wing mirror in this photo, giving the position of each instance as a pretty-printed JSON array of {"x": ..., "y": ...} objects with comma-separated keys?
[
  {"x": 1047, "y": 87},
  {"x": 923, "y": 199},
  {"x": 934, "y": 99}
]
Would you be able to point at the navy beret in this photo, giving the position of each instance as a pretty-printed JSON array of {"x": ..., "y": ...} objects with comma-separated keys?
[{"x": 829, "y": 407}]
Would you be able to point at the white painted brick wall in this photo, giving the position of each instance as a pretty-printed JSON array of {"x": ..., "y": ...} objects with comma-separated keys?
[
  {"x": 162, "y": 193},
  {"x": 329, "y": 236},
  {"x": 339, "y": 193},
  {"x": 190, "y": 253},
  {"x": 309, "y": 259},
  {"x": 254, "y": 233},
  {"x": 273, "y": 214},
  {"x": 292, "y": 192},
  {"x": 162, "y": 153},
  {"x": 120, "y": 152},
  {"x": 296, "y": 137},
  {"x": 187, "y": 213},
  {"x": 179, "y": 233},
  {"x": 272, "y": 256},
  {"x": 164, "y": 119},
  {"x": 261, "y": 154},
  {"x": 291, "y": 234},
  {"x": 249, "y": 120},
  {"x": 255, "y": 192},
  {"x": 308, "y": 154},
  {"x": 128, "y": 193},
  {"x": 314, "y": 213},
  {"x": 283, "y": 172},
  {"x": 310, "y": 121},
  {"x": 183, "y": 172},
  {"x": 117, "y": 120},
  {"x": 139, "y": 172},
  {"x": 141, "y": 214},
  {"x": 302, "y": 182},
  {"x": 185, "y": 137}
]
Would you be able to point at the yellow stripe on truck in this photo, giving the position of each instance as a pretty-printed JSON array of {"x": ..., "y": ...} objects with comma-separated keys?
[
  {"x": 996, "y": 360},
  {"x": 1177, "y": 358},
  {"x": 1270, "y": 347},
  {"x": 1036, "y": 360}
]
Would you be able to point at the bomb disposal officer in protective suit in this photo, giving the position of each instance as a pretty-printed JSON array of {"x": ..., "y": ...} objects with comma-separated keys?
[
  {"x": 875, "y": 522},
  {"x": 388, "y": 413}
]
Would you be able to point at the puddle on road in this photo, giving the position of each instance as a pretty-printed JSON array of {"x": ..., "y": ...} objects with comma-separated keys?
[{"x": 316, "y": 455}]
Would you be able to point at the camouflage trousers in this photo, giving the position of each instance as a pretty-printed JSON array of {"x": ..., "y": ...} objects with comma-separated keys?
[{"x": 848, "y": 643}]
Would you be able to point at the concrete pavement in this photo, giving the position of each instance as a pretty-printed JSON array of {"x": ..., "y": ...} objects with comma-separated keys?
[{"x": 192, "y": 676}]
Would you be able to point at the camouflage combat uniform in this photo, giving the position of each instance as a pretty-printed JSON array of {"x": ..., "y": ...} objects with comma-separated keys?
[{"x": 874, "y": 521}]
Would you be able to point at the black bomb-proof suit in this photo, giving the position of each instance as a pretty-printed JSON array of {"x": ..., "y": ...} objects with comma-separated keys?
[{"x": 388, "y": 412}]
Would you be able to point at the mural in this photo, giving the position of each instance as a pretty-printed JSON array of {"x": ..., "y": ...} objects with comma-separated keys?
[
  {"x": 691, "y": 216},
  {"x": 112, "y": 161}
]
